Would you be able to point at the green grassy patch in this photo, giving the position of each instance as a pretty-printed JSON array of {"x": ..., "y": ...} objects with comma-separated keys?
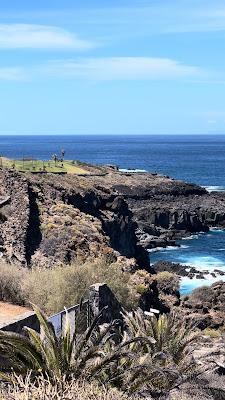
[{"x": 29, "y": 165}]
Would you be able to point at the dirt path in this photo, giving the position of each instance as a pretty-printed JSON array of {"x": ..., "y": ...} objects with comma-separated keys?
[{"x": 9, "y": 311}]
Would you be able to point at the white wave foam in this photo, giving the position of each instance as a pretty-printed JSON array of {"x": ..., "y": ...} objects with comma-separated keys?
[
  {"x": 195, "y": 236},
  {"x": 168, "y": 248},
  {"x": 172, "y": 248},
  {"x": 203, "y": 263},
  {"x": 155, "y": 249},
  {"x": 217, "y": 230},
  {"x": 132, "y": 170},
  {"x": 214, "y": 188}
]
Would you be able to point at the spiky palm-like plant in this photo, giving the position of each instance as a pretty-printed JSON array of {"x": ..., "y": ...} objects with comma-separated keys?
[
  {"x": 165, "y": 361},
  {"x": 94, "y": 354},
  {"x": 151, "y": 354},
  {"x": 171, "y": 335},
  {"x": 45, "y": 353}
]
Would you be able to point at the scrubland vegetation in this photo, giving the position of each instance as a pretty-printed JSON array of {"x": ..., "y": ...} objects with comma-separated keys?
[
  {"x": 54, "y": 289},
  {"x": 26, "y": 389},
  {"x": 141, "y": 357}
]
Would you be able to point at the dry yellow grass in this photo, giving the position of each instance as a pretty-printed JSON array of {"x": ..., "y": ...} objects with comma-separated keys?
[
  {"x": 59, "y": 287},
  {"x": 42, "y": 389}
]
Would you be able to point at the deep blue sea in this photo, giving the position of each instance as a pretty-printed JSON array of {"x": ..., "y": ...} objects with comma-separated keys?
[{"x": 199, "y": 159}]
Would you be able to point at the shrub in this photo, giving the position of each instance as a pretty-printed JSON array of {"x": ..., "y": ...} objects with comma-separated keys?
[
  {"x": 11, "y": 283},
  {"x": 167, "y": 282},
  {"x": 142, "y": 281},
  {"x": 54, "y": 289},
  {"x": 213, "y": 333},
  {"x": 142, "y": 288},
  {"x": 202, "y": 295}
]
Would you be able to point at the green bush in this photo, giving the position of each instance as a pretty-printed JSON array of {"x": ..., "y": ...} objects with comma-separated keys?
[
  {"x": 213, "y": 333},
  {"x": 167, "y": 282}
]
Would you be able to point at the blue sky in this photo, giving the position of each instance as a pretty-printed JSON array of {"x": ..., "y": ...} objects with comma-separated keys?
[{"x": 112, "y": 67}]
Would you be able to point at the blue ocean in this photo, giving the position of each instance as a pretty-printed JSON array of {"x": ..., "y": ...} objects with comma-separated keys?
[{"x": 199, "y": 159}]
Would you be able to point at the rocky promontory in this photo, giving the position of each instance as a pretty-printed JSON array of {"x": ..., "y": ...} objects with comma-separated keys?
[{"x": 49, "y": 219}]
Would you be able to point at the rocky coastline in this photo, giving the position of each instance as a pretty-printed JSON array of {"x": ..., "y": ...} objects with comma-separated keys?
[
  {"x": 49, "y": 218},
  {"x": 186, "y": 270}
]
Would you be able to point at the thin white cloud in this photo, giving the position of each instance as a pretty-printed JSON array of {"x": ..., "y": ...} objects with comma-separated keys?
[
  {"x": 131, "y": 18},
  {"x": 12, "y": 74},
  {"x": 122, "y": 68},
  {"x": 109, "y": 69},
  {"x": 154, "y": 17},
  {"x": 25, "y": 36}
]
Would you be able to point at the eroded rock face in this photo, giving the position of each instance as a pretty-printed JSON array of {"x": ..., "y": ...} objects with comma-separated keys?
[
  {"x": 53, "y": 220},
  {"x": 165, "y": 209},
  {"x": 47, "y": 219},
  {"x": 15, "y": 220}
]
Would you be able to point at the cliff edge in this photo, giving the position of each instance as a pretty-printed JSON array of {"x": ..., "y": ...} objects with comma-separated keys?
[{"x": 49, "y": 219}]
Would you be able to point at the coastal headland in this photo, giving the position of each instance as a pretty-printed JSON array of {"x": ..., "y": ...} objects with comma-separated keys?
[{"x": 52, "y": 218}]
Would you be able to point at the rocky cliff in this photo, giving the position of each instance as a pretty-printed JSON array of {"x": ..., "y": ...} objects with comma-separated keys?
[{"x": 49, "y": 219}]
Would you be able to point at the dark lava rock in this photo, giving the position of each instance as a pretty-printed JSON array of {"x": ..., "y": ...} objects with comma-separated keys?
[
  {"x": 178, "y": 269},
  {"x": 206, "y": 305},
  {"x": 79, "y": 217}
]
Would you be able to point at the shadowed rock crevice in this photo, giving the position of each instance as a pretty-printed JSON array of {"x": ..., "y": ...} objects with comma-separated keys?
[
  {"x": 34, "y": 236},
  {"x": 116, "y": 219}
]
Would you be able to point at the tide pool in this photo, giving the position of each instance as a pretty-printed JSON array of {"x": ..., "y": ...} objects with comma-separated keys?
[{"x": 205, "y": 251}]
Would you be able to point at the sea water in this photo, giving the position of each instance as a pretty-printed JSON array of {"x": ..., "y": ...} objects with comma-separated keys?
[
  {"x": 205, "y": 252},
  {"x": 199, "y": 159}
]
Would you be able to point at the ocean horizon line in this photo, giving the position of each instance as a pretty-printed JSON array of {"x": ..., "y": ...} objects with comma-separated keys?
[{"x": 114, "y": 134}]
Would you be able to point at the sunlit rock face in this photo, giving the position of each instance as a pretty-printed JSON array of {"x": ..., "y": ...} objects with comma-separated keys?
[{"x": 49, "y": 219}]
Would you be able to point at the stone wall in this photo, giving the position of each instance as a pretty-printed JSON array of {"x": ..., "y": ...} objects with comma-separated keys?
[{"x": 100, "y": 296}]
